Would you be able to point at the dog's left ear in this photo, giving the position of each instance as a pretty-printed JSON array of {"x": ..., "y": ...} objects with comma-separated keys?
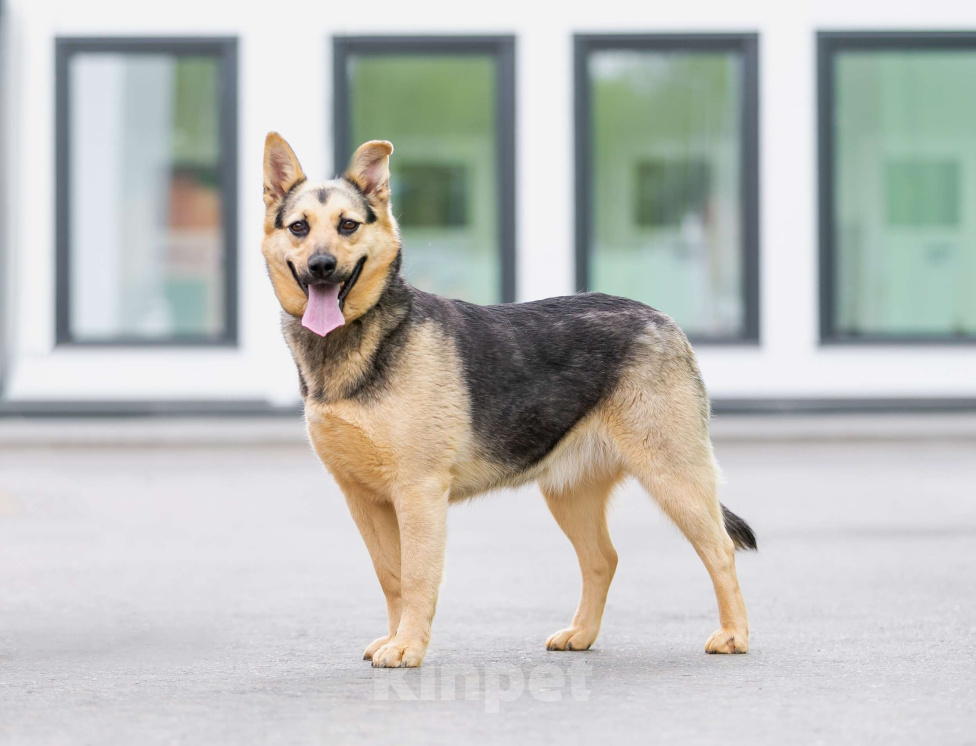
[
  {"x": 369, "y": 169},
  {"x": 281, "y": 169}
]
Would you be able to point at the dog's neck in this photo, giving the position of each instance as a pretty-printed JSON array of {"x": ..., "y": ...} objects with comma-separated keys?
[{"x": 342, "y": 364}]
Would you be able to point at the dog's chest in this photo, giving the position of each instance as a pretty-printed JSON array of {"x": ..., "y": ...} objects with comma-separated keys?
[{"x": 352, "y": 443}]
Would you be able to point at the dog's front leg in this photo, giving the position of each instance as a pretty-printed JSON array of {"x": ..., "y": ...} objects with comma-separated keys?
[
  {"x": 377, "y": 523},
  {"x": 422, "y": 516}
]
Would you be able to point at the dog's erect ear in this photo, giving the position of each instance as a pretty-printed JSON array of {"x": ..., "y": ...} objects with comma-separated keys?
[
  {"x": 281, "y": 168},
  {"x": 369, "y": 168}
]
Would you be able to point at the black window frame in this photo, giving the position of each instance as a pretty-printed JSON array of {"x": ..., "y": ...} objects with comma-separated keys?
[
  {"x": 745, "y": 44},
  {"x": 502, "y": 48},
  {"x": 225, "y": 50},
  {"x": 829, "y": 44},
  {"x": 5, "y": 299}
]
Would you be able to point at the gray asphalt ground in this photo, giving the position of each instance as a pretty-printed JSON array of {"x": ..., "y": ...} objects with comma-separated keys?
[{"x": 221, "y": 594}]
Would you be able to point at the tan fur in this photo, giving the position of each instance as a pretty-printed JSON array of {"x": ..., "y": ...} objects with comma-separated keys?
[
  {"x": 664, "y": 442},
  {"x": 399, "y": 454},
  {"x": 402, "y": 456},
  {"x": 378, "y": 242},
  {"x": 581, "y": 512}
]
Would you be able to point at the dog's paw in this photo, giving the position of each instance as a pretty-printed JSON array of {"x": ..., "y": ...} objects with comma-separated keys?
[
  {"x": 374, "y": 646},
  {"x": 399, "y": 654},
  {"x": 571, "y": 638},
  {"x": 728, "y": 641}
]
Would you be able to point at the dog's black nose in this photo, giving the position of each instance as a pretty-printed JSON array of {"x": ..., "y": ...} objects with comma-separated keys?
[{"x": 321, "y": 266}]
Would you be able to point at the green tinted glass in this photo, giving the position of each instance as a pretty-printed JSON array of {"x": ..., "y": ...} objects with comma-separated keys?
[
  {"x": 439, "y": 113},
  {"x": 903, "y": 198},
  {"x": 666, "y": 183},
  {"x": 146, "y": 226}
]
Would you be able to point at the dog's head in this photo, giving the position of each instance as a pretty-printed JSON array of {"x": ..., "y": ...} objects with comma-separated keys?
[{"x": 329, "y": 245}]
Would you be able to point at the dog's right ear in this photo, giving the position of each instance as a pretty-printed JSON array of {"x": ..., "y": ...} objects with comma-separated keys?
[{"x": 282, "y": 171}]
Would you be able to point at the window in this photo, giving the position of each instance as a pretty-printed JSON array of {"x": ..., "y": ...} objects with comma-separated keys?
[
  {"x": 5, "y": 294},
  {"x": 433, "y": 196},
  {"x": 897, "y": 187},
  {"x": 448, "y": 106},
  {"x": 667, "y": 177},
  {"x": 668, "y": 190},
  {"x": 146, "y": 191}
]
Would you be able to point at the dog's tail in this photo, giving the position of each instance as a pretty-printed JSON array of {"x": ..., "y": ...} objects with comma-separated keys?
[{"x": 740, "y": 532}]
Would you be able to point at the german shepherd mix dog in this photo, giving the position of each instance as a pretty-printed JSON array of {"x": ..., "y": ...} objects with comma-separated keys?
[{"x": 414, "y": 402}]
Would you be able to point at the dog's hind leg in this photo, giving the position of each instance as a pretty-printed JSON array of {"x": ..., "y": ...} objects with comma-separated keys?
[
  {"x": 581, "y": 512},
  {"x": 667, "y": 447},
  {"x": 377, "y": 523},
  {"x": 692, "y": 504}
]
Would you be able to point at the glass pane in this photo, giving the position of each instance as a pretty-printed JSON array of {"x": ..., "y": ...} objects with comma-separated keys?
[
  {"x": 666, "y": 176},
  {"x": 146, "y": 238},
  {"x": 904, "y": 165},
  {"x": 439, "y": 113}
]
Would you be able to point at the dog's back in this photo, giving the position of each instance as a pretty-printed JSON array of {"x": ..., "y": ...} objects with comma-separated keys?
[{"x": 534, "y": 370}]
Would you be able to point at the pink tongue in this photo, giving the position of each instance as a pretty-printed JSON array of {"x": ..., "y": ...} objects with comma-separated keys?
[{"x": 322, "y": 313}]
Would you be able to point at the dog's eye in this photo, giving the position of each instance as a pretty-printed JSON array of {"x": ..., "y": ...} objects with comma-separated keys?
[
  {"x": 347, "y": 226},
  {"x": 299, "y": 228}
]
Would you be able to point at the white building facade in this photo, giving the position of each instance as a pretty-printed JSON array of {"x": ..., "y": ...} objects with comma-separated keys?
[{"x": 794, "y": 182}]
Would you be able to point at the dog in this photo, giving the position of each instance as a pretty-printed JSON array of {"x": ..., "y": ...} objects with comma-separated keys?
[{"x": 414, "y": 402}]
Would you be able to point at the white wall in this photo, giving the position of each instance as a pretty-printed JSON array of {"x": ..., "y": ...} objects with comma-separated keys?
[{"x": 285, "y": 59}]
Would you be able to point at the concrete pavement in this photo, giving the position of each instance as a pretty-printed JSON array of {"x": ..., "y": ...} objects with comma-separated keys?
[{"x": 220, "y": 594}]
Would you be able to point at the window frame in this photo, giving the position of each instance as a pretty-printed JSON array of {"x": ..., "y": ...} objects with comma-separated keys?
[
  {"x": 6, "y": 310},
  {"x": 829, "y": 44},
  {"x": 745, "y": 44},
  {"x": 225, "y": 50},
  {"x": 502, "y": 48}
]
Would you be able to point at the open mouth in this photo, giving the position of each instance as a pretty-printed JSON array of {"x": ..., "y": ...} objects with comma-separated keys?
[
  {"x": 294, "y": 274},
  {"x": 347, "y": 285},
  {"x": 344, "y": 289}
]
